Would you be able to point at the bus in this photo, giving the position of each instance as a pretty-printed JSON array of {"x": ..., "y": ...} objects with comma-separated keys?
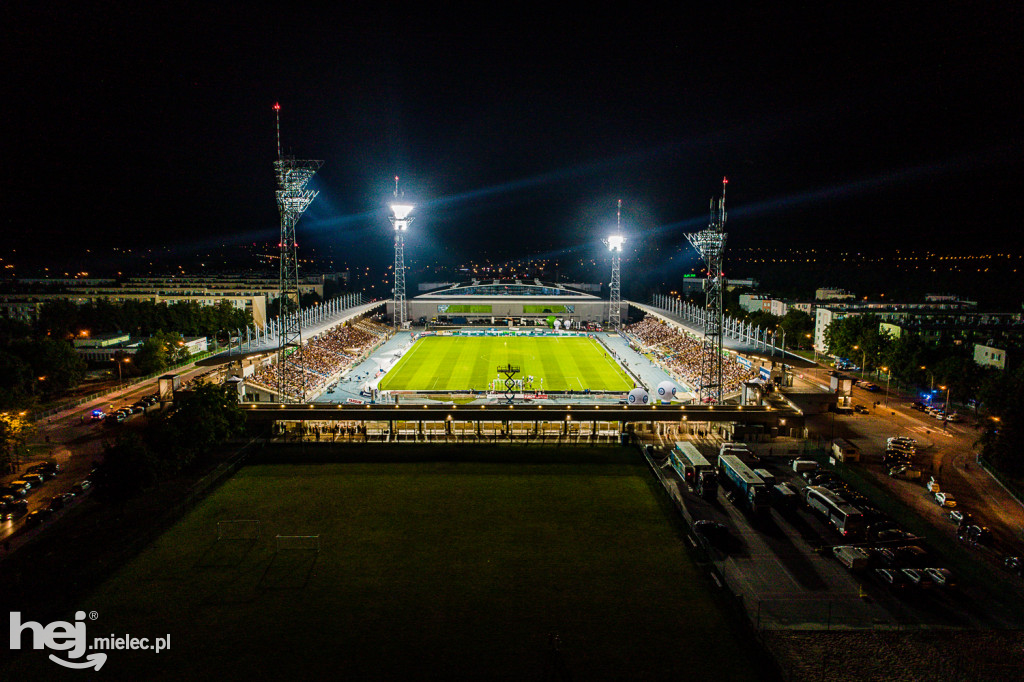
[
  {"x": 843, "y": 516},
  {"x": 695, "y": 469},
  {"x": 687, "y": 461}
]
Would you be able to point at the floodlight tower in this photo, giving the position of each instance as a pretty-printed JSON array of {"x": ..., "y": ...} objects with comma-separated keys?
[
  {"x": 710, "y": 244},
  {"x": 614, "y": 243},
  {"x": 292, "y": 200},
  {"x": 400, "y": 220}
]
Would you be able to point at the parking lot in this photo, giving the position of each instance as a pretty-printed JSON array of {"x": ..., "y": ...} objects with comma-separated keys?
[{"x": 781, "y": 563}]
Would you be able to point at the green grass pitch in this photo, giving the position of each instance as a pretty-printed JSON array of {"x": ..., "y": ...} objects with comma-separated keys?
[
  {"x": 451, "y": 363},
  {"x": 463, "y": 568}
]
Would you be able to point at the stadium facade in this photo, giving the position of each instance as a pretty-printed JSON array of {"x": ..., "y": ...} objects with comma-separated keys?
[{"x": 506, "y": 301}]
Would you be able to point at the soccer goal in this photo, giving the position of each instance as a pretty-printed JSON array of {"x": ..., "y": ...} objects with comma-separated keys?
[
  {"x": 309, "y": 543},
  {"x": 238, "y": 529}
]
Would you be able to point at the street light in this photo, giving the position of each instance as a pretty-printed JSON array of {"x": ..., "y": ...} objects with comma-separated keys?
[
  {"x": 119, "y": 361},
  {"x": 931, "y": 376},
  {"x": 887, "y": 377},
  {"x": 863, "y": 360},
  {"x": 945, "y": 410}
]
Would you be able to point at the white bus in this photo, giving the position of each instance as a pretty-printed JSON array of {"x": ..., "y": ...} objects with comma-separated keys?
[{"x": 846, "y": 518}]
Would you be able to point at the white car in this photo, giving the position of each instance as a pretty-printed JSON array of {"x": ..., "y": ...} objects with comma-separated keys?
[{"x": 945, "y": 500}]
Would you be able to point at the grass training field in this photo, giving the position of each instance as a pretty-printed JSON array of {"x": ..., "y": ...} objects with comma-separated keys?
[
  {"x": 451, "y": 363},
  {"x": 563, "y": 564}
]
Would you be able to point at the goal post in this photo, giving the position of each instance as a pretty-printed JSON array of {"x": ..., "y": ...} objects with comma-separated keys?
[
  {"x": 309, "y": 543},
  {"x": 238, "y": 529}
]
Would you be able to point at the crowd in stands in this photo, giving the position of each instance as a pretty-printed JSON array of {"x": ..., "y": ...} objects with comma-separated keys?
[
  {"x": 680, "y": 353},
  {"x": 322, "y": 358}
]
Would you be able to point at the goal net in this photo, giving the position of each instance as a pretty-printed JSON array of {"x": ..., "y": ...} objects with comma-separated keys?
[
  {"x": 238, "y": 529},
  {"x": 309, "y": 543}
]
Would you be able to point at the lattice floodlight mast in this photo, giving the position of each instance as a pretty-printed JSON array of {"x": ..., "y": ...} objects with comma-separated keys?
[
  {"x": 614, "y": 243},
  {"x": 710, "y": 244},
  {"x": 400, "y": 220},
  {"x": 292, "y": 200}
]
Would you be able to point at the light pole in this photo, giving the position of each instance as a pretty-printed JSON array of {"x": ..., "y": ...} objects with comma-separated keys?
[
  {"x": 863, "y": 360},
  {"x": 887, "y": 377},
  {"x": 945, "y": 409},
  {"x": 119, "y": 361}
]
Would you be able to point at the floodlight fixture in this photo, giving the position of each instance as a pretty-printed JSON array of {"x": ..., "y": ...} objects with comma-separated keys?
[
  {"x": 615, "y": 242},
  {"x": 401, "y": 212}
]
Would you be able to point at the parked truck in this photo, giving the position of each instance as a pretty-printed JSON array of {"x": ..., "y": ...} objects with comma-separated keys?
[
  {"x": 749, "y": 487},
  {"x": 695, "y": 469}
]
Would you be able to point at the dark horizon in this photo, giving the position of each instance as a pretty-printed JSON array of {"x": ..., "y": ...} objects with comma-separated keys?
[{"x": 153, "y": 127}]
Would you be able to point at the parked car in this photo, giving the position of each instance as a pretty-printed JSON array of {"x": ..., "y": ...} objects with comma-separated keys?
[
  {"x": 860, "y": 409},
  {"x": 941, "y": 577},
  {"x": 873, "y": 388},
  {"x": 36, "y": 480},
  {"x": 60, "y": 501},
  {"x": 1014, "y": 564},
  {"x": 945, "y": 500},
  {"x": 12, "y": 508},
  {"x": 97, "y": 415},
  {"x": 81, "y": 486},
  {"x": 918, "y": 405},
  {"x": 891, "y": 577},
  {"x": 905, "y": 556},
  {"x": 932, "y": 485},
  {"x": 715, "y": 534},
  {"x": 959, "y": 516},
  {"x": 893, "y": 535},
  {"x": 19, "y": 487},
  {"x": 47, "y": 470},
  {"x": 917, "y": 577},
  {"x": 954, "y": 417},
  {"x": 820, "y": 477},
  {"x": 854, "y": 558},
  {"x": 974, "y": 534},
  {"x": 37, "y": 517},
  {"x": 905, "y": 472}
]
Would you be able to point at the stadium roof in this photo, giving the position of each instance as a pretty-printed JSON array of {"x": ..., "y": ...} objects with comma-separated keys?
[{"x": 506, "y": 288}]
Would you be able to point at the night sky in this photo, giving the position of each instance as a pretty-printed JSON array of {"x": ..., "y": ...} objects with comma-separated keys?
[{"x": 151, "y": 124}]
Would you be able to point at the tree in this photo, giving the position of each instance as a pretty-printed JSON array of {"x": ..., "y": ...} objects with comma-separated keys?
[
  {"x": 128, "y": 468},
  {"x": 857, "y": 337},
  {"x": 14, "y": 433},
  {"x": 798, "y": 326},
  {"x": 160, "y": 350},
  {"x": 203, "y": 419}
]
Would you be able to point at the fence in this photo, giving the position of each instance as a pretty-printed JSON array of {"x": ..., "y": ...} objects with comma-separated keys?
[{"x": 67, "y": 405}]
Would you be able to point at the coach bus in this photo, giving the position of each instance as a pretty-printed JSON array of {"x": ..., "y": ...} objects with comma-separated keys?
[
  {"x": 695, "y": 469},
  {"x": 846, "y": 518}
]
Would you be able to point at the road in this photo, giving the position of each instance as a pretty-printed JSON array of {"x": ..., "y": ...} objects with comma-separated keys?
[
  {"x": 76, "y": 443},
  {"x": 947, "y": 453}
]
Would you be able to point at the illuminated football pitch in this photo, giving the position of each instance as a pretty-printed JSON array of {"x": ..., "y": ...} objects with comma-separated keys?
[{"x": 452, "y": 363}]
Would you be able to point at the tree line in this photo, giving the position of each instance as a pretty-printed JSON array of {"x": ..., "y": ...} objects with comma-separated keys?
[
  {"x": 174, "y": 442},
  {"x": 64, "y": 319}
]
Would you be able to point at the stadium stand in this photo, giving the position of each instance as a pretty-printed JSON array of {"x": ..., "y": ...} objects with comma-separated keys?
[
  {"x": 680, "y": 353},
  {"x": 323, "y": 357}
]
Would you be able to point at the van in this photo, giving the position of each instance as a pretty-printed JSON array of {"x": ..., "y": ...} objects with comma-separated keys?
[
  {"x": 801, "y": 465},
  {"x": 784, "y": 497},
  {"x": 845, "y": 451},
  {"x": 766, "y": 476},
  {"x": 854, "y": 558}
]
